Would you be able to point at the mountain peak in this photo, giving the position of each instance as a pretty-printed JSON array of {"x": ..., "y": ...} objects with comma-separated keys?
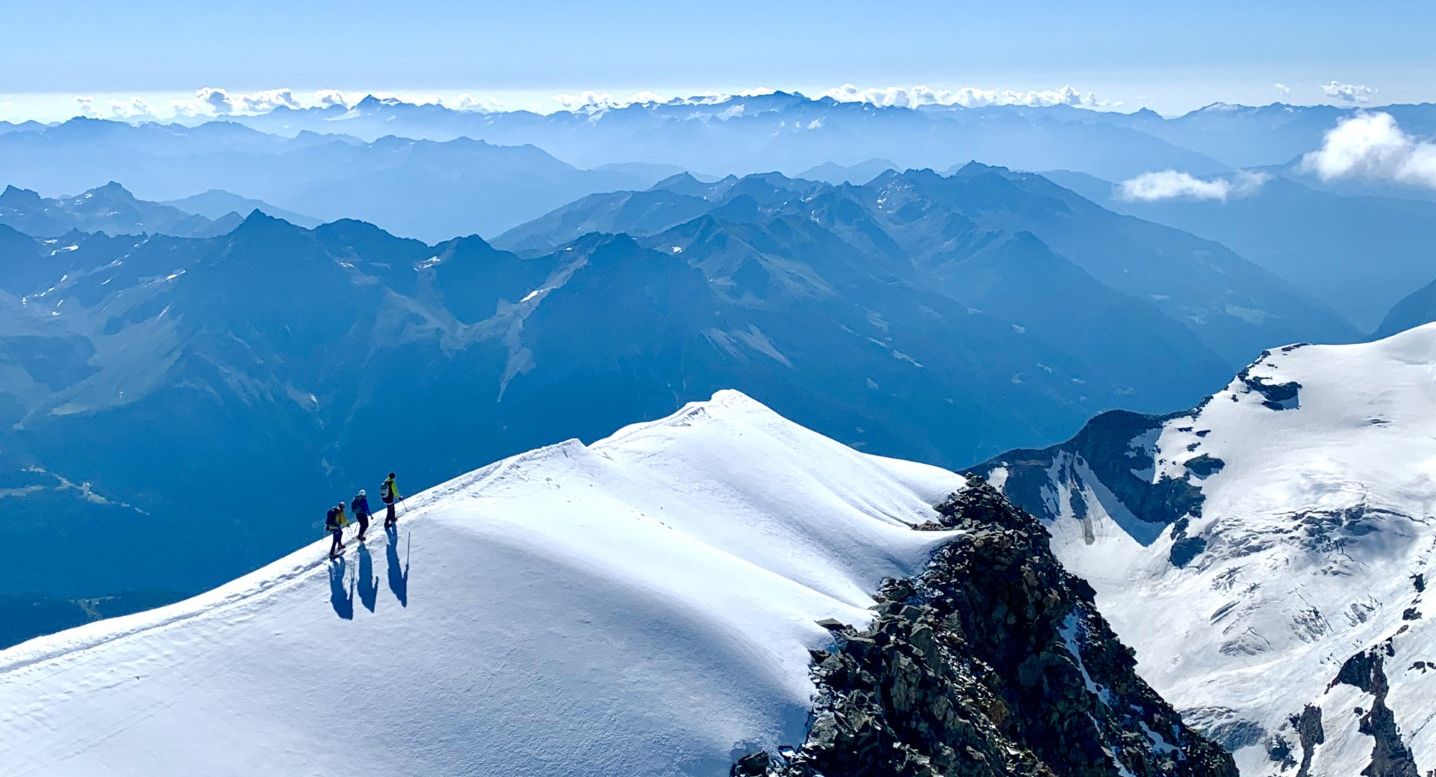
[
  {"x": 975, "y": 167},
  {"x": 111, "y": 191},
  {"x": 14, "y": 196},
  {"x": 1299, "y": 472},
  {"x": 259, "y": 224},
  {"x": 664, "y": 513},
  {"x": 681, "y": 183}
]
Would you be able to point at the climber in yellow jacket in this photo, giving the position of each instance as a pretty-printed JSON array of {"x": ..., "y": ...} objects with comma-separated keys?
[
  {"x": 389, "y": 492},
  {"x": 334, "y": 523}
]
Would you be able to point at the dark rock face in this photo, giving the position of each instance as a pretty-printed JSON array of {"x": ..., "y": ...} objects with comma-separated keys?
[
  {"x": 1390, "y": 757},
  {"x": 1186, "y": 549},
  {"x": 1310, "y": 734},
  {"x": 992, "y": 662},
  {"x": 1275, "y": 396},
  {"x": 1205, "y": 465},
  {"x": 1109, "y": 451}
]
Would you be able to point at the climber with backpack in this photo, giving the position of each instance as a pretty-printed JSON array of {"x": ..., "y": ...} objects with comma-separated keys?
[
  {"x": 360, "y": 506},
  {"x": 334, "y": 523},
  {"x": 389, "y": 492}
]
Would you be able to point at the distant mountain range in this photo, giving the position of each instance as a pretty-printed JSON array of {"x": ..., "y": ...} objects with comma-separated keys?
[
  {"x": 306, "y": 363},
  {"x": 218, "y": 204},
  {"x": 111, "y": 209},
  {"x": 954, "y": 225},
  {"x": 1358, "y": 254},
  {"x": 939, "y": 318},
  {"x": 432, "y": 172},
  {"x": 778, "y": 131},
  {"x": 793, "y": 133},
  {"x": 862, "y": 172},
  {"x": 433, "y": 190}
]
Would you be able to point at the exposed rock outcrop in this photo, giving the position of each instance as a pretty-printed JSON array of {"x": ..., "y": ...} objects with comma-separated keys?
[
  {"x": 1110, "y": 453},
  {"x": 1390, "y": 757},
  {"x": 993, "y": 662}
]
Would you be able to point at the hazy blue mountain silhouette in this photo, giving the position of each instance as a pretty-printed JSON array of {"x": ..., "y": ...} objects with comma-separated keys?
[
  {"x": 779, "y": 131},
  {"x": 934, "y": 223},
  {"x": 859, "y": 173},
  {"x": 1359, "y": 254},
  {"x": 790, "y": 132},
  {"x": 218, "y": 204},
  {"x": 205, "y": 398},
  {"x": 109, "y": 208},
  {"x": 1415, "y": 309},
  {"x": 189, "y": 406},
  {"x": 416, "y": 187}
]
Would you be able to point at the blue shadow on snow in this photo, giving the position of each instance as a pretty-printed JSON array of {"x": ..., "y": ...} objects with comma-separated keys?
[
  {"x": 341, "y": 600},
  {"x": 398, "y": 575}
]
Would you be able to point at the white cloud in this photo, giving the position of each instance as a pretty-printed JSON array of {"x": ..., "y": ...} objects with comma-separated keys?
[
  {"x": 1173, "y": 184},
  {"x": 470, "y": 102},
  {"x": 127, "y": 109},
  {"x": 1280, "y": 87},
  {"x": 967, "y": 97},
  {"x": 133, "y": 108},
  {"x": 214, "y": 101},
  {"x": 1348, "y": 93},
  {"x": 899, "y": 96},
  {"x": 217, "y": 100},
  {"x": 593, "y": 102},
  {"x": 328, "y": 98},
  {"x": 645, "y": 97},
  {"x": 587, "y": 101},
  {"x": 1371, "y": 145}
]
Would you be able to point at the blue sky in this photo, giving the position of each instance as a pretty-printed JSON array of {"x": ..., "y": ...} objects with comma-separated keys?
[{"x": 1161, "y": 55}]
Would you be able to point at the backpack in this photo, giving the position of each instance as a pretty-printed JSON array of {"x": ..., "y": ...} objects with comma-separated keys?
[
  {"x": 360, "y": 505},
  {"x": 331, "y": 519}
]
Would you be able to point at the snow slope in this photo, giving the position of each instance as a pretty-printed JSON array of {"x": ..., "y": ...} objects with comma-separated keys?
[
  {"x": 642, "y": 605},
  {"x": 1316, "y": 474}
]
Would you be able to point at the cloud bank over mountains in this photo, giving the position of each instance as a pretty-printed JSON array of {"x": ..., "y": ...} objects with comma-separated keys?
[
  {"x": 212, "y": 101},
  {"x": 1174, "y": 184},
  {"x": 1349, "y": 93},
  {"x": 1373, "y": 146},
  {"x": 968, "y": 97}
]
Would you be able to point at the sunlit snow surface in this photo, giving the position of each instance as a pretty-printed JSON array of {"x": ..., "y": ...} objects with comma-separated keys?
[
  {"x": 643, "y": 605},
  {"x": 1315, "y": 527}
]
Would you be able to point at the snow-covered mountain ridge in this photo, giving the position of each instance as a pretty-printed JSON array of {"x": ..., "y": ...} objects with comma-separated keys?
[
  {"x": 664, "y": 601},
  {"x": 571, "y": 610},
  {"x": 1267, "y": 553}
]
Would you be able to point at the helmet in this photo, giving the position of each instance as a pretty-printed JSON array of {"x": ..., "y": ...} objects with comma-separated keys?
[
  {"x": 361, "y": 492},
  {"x": 391, "y": 474}
]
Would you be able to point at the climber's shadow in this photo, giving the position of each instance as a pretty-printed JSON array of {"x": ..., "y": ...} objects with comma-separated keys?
[
  {"x": 398, "y": 573},
  {"x": 341, "y": 591}
]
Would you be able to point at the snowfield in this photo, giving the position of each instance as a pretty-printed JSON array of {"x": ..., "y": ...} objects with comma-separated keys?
[
  {"x": 1317, "y": 519},
  {"x": 642, "y": 605}
]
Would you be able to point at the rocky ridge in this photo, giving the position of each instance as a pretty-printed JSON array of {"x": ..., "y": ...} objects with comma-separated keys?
[{"x": 994, "y": 661}]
